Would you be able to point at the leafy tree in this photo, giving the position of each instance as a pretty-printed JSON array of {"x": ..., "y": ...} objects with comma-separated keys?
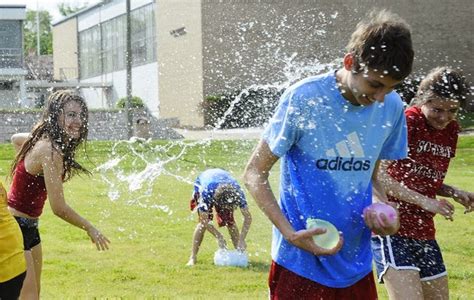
[
  {"x": 30, "y": 30},
  {"x": 66, "y": 9}
]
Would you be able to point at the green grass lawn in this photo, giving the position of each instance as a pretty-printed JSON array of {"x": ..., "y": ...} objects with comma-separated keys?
[{"x": 150, "y": 226}]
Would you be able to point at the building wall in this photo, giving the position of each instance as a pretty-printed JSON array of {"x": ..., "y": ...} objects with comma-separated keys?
[
  {"x": 14, "y": 122},
  {"x": 247, "y": 42},
  {"x": 255, "y": 42},
  {"x": 65, "y": 55},
  {"x": 9, "y": 97},
  {"x": 180, "y": 60},
  {"x": 144, "y": 85}
]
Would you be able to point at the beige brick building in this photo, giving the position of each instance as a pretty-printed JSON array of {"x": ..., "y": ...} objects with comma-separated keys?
[{"x": 198, "y": 48}]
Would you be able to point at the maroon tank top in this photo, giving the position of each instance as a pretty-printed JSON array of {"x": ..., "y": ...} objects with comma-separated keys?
[{"x": 28, "y": 192}]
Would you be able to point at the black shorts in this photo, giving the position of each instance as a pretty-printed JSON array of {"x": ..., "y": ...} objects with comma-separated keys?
[
  {"x": 29, "y": 229},
  {"x": 10, "y": 290},
  {"x": 403, "y": 253}
]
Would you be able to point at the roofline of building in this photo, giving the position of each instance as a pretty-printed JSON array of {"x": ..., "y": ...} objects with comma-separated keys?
[
  {"x": 66, "y": 84},
  {"x": 80, "y": 12},
  {"x": 12, "y": 5}
]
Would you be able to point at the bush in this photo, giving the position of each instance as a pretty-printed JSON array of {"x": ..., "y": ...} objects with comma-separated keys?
[
  {"x": 252, "y": 108},
  {"x": 40, "y": 101},
  {"x": 136, "y": 102},
  {"x": 466, "y": 119}
]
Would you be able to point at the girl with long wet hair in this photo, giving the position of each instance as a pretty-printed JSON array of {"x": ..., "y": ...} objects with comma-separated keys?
[{"x": 45, "y": 159}]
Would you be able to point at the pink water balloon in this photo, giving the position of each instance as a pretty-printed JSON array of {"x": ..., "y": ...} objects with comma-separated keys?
[{"x": 382, "y": 208}]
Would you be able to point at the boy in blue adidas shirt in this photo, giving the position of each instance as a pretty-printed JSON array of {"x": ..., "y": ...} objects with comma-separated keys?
[{"x": 330, "y": 132}]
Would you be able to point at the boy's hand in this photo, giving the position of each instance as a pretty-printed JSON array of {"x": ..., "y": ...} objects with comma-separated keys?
[
  {"x": 385, "y": 227},
  {"x": 304, "y": 239}
]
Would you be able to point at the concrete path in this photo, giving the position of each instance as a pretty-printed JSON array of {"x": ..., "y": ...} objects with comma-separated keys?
[
  {"x": 221, "y": 134},
  {"x": 467, "y": 132}
]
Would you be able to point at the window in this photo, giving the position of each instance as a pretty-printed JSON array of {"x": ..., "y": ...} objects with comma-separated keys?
[
  {"x": 10, "y": 44},
  {"x": 89, "y": 52},
  {"x": 143, "y": 35},
  {"x": 102, "y": 47}
]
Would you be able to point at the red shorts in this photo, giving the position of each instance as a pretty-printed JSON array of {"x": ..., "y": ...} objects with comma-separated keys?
[
  {"x": 285, "y": 284},
  {"x": 224, "y": 216}
]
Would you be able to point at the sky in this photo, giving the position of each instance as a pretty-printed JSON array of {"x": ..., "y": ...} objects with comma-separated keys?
[{"x": 49, "y": 5}]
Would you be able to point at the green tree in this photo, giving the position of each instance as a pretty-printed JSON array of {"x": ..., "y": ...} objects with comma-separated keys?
[
  {"x": 66, "y": 9},
  {"x": 30, "y": 31}
]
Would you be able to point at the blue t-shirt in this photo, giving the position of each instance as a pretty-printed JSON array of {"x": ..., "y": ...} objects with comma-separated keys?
[
  {"x": 207, "y": 183},
  {"x": 329, "y": 149}
]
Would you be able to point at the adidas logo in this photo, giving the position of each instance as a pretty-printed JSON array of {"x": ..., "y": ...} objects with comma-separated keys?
[{"x": 344, "y": 156}]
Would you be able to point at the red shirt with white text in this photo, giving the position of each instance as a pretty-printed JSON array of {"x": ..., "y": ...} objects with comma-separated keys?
[{"x": 430, "y": 151}]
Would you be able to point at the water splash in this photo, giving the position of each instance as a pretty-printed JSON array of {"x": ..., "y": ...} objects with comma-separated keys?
[
  {"x": 135, "y": 165},
  {"x": 130, "y": 176}
]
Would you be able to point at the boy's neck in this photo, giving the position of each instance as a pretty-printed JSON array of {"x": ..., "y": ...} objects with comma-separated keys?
[{"x": 341, "y": 82}]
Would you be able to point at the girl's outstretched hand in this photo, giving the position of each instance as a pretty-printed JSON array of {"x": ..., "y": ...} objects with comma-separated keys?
[
  {"x": 441, "y": 206},
  {"x": 466, "y": 199},
  {"x": 100, "y": 240}
]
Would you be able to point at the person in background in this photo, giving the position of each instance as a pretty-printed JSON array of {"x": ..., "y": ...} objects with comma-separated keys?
[
  {"x": 45, "y": 159},
  {"x": 12, "y": 258},
  {"x": 410, "y": 262},
  {"x": 216, "y": 189}
]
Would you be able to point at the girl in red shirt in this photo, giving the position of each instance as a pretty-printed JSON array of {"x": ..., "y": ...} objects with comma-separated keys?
[{"x": 410, "y": 262}]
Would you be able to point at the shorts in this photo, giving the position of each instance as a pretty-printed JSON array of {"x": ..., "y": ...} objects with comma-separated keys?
[
  {"x": 11, "y": 289},
  {"x": 285, "y": 284},
  {"x": 29, "y": 229},
  {"x": 403, "y": 253},
  {"x": 225, "y": 217}
]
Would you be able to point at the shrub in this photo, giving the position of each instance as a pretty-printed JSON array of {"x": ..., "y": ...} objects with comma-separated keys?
[
  {"x": 136, "y": 102},
  {"x": 252, "y": 108},
  {"x": 40, "y": 101}
]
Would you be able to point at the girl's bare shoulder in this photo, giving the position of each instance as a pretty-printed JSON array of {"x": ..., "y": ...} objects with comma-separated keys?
[{"x": 45, "y": 148}]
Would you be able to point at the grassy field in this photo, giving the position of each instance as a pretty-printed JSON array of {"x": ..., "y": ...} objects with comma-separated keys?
[{"x": 139, "y": 199}]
